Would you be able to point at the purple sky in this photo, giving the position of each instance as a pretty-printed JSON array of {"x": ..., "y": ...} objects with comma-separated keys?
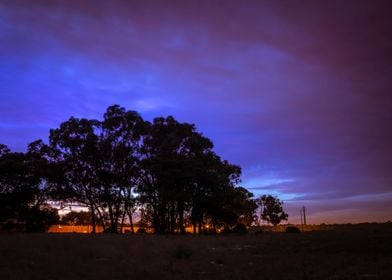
[{"x": 298, "y": 93}]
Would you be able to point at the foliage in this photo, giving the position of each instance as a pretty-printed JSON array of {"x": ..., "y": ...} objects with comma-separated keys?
[
  {"x": 99, "y": 160},
  {"x": 240, "y": 229},
  {"x": 4, "y": 150},
  {"x": 271, "y": 209},
  {"x": 39, "y": 219},
  {"x": 23, "y": 192},
  {"x": 141, "y": 231},
  {"x": 165, "y": 169},
  {"x": 292, "y": 229},
  {"x": 76, "y": 218}
]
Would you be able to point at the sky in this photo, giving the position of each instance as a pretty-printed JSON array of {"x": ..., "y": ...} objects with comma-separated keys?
[{"x": 298, "y": 93}]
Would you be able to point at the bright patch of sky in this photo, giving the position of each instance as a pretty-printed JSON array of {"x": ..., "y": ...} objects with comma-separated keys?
[{"x": 270, "y": 185}]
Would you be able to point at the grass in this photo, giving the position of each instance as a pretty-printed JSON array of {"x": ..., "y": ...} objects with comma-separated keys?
[
  {"x": 364, "y": 253},
  {"x": 182, "y": 252}
]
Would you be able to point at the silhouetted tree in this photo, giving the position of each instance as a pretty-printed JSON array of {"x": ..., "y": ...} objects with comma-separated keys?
[
  {"x": 271, "y": 209},
  {"x": 118, "y": 170},
  {"x": 167, "y": 169},
  {"x": 75, "y": 147},
  {"x": 4, "y": 149},
  {"x": 18, "y": 186},
  {"x": 76, "y": 218},
  {"x": 166, "y": 172},
  {"x": 23, "y": 189},
  {"x": 40, "y": 218},
  {"x": 100, "y": 162},
  {"x": 215, "y": 192},
  {"x": 242, "y": 204},
  {"x": 182, "y": 175}
]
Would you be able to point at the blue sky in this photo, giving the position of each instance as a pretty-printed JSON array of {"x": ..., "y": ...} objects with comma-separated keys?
[{"x": 297, "y": 94}]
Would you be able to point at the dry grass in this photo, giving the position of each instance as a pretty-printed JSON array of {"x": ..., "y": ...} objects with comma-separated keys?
[{"x": 364, "y": 253}]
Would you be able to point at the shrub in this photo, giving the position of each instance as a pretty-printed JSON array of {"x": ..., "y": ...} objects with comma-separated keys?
[
  {"x": 226, "y": 231},
  {"x": 141, "y": 231},
  {"x": 12, "y": 227},
  {"x": 209, "y": 231},
  {"x": 292, "y": 229},
  {"x": 40, "y": 220},
  {"x": 240, "y": 229}
]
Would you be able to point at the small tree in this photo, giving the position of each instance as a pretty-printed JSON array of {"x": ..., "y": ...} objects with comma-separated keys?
[
  {"x": 23, "y": 188},
  {"x": 76, "y": 218},
  {"x": 271, "y": 209},
  {"x": 40, "y": 218}
]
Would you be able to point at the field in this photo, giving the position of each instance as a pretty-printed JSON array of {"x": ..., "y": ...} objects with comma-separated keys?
[{"x": 362, "y": 252}]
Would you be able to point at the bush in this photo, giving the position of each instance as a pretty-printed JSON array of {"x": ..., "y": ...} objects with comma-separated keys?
[
  {"x": 40, "y": 220},
  {"x": 239, "y": 229},
  {"x": 209, "y": 231},
  {"x": 141, "y": 231},
  {"x": 226, "y": 231},
  {"x": 12, "y": 227},
  {"x": 292, "y": 229},
  {"x": 111, "y": 231}
]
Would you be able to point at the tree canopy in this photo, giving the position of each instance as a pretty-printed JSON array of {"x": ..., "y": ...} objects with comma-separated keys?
[
  {"x": 23, "y": 194},
  {"x": 271, "y": 209},
  {"x": 165, "y": 170}
]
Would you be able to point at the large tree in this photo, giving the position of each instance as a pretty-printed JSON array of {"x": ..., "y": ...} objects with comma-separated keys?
[
  {"x": 182, "y": 175},
  {"x": 166, "y": 172},
  {"x": 166, "y": 168},
  {"x": 218, "y": 205},
  {"x": 118, "y": 169},
  {"x": 100, "y": 161},
  {"x": 75, "y": 148}
]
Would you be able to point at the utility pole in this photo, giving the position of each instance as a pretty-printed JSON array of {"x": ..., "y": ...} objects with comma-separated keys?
[
  {"x": 261, "y": 212},
  {"x": 302, "y": 213}
]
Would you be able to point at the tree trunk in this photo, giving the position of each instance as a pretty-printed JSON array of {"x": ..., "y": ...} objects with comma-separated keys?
[
  {"x": 101, "y": 219},
  {"x": 131, "y": 221},
  {"x": 181, "y": 217},
  {"x": 122, "y": 221},
  {"x": 94, "y": 230},
  {"x": 172, "y": 218},
  {"x": 156, "y": 222},
  {"x": 111, "y": 218}
]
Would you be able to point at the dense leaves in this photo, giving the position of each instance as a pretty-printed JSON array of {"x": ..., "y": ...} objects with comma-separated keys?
[
  {"x": 23, "y": 194},
  {"x": 271, "y": 209},
  {"x": 76, "y": 218},
  {"x": 164, "y": 170}
]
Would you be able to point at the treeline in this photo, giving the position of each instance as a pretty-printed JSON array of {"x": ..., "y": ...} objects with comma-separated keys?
[{"x": 165, "y": 170}]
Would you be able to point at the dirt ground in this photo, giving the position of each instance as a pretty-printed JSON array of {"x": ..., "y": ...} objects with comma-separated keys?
[{"x": 363, "y": 252}]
